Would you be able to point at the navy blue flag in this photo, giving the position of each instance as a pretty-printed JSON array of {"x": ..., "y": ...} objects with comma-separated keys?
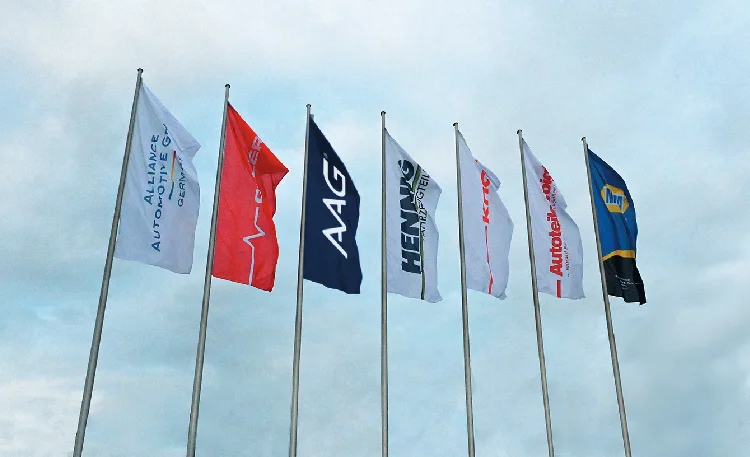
[
  {"x": 615, "y": 213},
  {"x": 332, "y": 216}
]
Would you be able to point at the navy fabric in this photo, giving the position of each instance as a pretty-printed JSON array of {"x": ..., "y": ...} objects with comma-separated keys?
[
  {"x": 618, "y": 230},
  {"x": 332, "y": 216}
]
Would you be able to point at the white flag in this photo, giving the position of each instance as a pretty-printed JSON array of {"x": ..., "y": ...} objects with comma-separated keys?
[
  {"x": 411, "y": 233},
  {"x": 487, "y": 226},
  {"x": 557, "y": 241},
  {"x": 160, "y": 203}
]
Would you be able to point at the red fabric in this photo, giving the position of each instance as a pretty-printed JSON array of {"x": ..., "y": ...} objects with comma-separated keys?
[{"x": 246, "y": 241}]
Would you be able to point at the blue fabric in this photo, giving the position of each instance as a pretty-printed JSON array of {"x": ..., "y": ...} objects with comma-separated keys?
[
  {"x": 332, "y": 216},
  {"x": 617, "y": 229},
  {"x": 615, "y": 213}
]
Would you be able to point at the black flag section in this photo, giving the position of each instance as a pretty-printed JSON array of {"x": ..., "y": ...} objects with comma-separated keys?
[
  {"x": 624, "y": 279},
  {"x": 332, "y": 216}
]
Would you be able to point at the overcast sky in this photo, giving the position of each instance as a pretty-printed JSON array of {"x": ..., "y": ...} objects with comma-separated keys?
[{"x": 660, "y": 89}]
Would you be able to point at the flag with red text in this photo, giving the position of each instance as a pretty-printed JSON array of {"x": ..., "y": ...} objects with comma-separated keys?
[
  {"x": 246, "y": 246},
  {"x": 487, "y": 226},
  {"x": 558, "y": 250}
]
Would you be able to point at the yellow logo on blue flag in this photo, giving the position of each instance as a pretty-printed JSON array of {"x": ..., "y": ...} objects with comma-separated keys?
[
  {"x": 615, "y": 214},
  {"x": 615, "y": 199}
]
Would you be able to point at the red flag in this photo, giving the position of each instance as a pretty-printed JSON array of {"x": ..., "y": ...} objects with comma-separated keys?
[{"x": 246, "y": 247}]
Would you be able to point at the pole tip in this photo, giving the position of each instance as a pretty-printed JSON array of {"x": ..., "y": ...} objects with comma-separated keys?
[
  {"x": 308, "y": 106},
  {"x": 519, "y": 131},
  {"x": 226, "y": 85},
  {"x": 140, "y": 70},
  {"x": 382, "y": 113},
  {"x": 583, "y": 138},
  {"x": 455, "y": 124}
]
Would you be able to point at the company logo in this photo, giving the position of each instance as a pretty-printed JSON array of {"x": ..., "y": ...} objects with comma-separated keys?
[
  {"x": 413, "y": 183},
  {"x": 335, "y": 205},
  {"x": 559, "y": 258},
  {"x": 160, "y": 181},
  {"x": 486, "y": 219},
  {"x": 485, "y": 192},
  {"x": 615, "y": 199},
  {"x": 252, "y": 157}
]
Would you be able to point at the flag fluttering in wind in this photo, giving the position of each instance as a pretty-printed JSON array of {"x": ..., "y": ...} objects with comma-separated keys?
[
  {"x": 615, "y": 214},
  {"x": 558, "y": 250},
  {"x": 412, "y": 237},
  {"x": 162, "y": 196},
  {"x": 487, "y": 226},
  {"x": 331, "y": 255},
  {"x": 246, "y": 246}
]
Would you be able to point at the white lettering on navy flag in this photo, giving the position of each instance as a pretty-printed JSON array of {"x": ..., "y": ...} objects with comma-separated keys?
[
  {"x": 557, "y": 241},
  {"x": 411, "y": 232},
  {"x": 487, "y": 226},
  {"x": 161, "y": 199}
]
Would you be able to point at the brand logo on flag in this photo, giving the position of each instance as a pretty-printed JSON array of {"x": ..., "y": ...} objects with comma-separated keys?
[
  {"x": 556, "y": 239},
  {"x": 557, "y": 248},
  {"x": 485, "y": 193},
  {"x": 338, "y": 203},
  {"x": 156, "y": 183},
  {"x": 331, "y": 257},
  {"x": 486, "y": 219},
  {"x": 615, "y": 199},
  {"x": 252, "y": 158},
  {"x": 413, "y": 215},
  {"x": 161, "y": 199},
  {"x": 246, "y": 246}
]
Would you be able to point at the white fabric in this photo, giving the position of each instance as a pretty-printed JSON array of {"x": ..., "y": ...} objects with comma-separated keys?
[
  {"x": 487, "y": 226},
  {"x": 557, "y": 241},
  {"x": 411, "y": 233},
  {"x": 161, "y": 199}
]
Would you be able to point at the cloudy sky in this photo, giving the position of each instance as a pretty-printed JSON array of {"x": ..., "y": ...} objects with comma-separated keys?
[{"x": 659, "y": 89}]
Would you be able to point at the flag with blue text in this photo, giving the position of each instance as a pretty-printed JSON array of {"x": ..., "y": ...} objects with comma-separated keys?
[
  {"x": 161, "y": 197},
  {"x": 331, "y": 218},
  {"x": 615, "y": 213},
  {"x": 411, "y": 233}
]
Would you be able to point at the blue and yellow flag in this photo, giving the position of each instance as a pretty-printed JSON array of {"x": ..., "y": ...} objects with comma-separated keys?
[{"x": 618, "y": 231}]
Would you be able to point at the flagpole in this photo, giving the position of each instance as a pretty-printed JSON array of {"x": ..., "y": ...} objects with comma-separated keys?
[
  {"x": 608, "y": 314},
  {"x": 298, "y": 315},
  {"x": 464, "y": 303},
  {"x": 197, "y": 379},
  {"x": 383, "y": 301},
  {"x": 88, "y": 386},
  {"x": 537, "y": 310}
]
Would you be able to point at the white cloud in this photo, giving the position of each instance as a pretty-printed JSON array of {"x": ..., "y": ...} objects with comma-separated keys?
[{"x": 35, "y": 416}]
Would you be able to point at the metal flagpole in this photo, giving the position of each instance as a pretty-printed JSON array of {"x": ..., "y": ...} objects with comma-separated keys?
[
  {"x": 88, "y": 386},
  {"x": 464, "y": 304},
  {"x": 298, "y": 316},
  {"x": 608, "y": 314},
  {"x": 383, "y": 302},
  {"x": 537, "y": 311},
  {"x": 197, "y": 379}
]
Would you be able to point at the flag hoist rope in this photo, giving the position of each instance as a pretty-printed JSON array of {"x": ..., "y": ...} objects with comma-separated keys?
[
  {"x": 193, "y": 427},
  {"x": 608, "y": 314},
  {"x": 537, "y": 311},
  {"x": 383, "y": 302},
  {"x": 88, "y": 386},
  {"x": 464, "y": 304},
  {"x": 298, "y": 314}
]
